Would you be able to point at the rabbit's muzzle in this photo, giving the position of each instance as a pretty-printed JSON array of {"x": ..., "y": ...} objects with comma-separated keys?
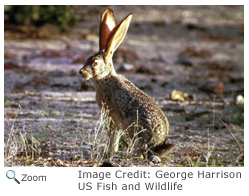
[{"x": 85, "y": 73}]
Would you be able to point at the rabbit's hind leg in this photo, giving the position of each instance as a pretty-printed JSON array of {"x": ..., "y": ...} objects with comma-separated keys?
[{"x": 113, "y": 135}]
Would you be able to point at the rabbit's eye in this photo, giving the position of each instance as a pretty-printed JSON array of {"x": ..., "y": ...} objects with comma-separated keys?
[{"x": 96, "y": 63}]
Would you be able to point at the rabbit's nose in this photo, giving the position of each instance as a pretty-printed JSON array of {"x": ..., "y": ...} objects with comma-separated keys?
[{"x": 80, "y": 71}]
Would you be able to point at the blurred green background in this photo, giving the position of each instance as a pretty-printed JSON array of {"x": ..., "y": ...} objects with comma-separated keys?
[{"x": 37, "y": 15}]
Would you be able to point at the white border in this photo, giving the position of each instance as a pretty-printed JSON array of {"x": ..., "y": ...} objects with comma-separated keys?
[{"x": 65, "y": 180}]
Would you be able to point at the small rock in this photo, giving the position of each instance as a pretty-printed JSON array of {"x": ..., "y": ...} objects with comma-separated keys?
[
  {"x": 154, "y": 80},
  {"x": 212, "y": 37},
  {"x": 146, "y": 87},
  {"x": 239, "y": 100},
  {"x": 56, "y": 53},
  {"x": 179, "y": 96},
  {"x": 59, "y": 162},
  {"x": 194, "y": 26},
  {"x": 8, "y": 55},
  {"x": 184, "y": 61},
  {"x": 91, "y": 37},
  {"x": 164, "y": 84},
  {"x": 126, "y": 68},
  {"x": 80, "y": 60},
  {"x": 145, "y": 70},
  {"x": 155, "y": 159},
  {"x": 10, "y": 66},
  {"x": 235, "y": 77},
  {"x": 191, "y": 52},
  {"x": 125, "y": 55},
  {"x": 158, "y": 59},
  {"x": 160, "y": 23},
  {"x": 57, "y": 74},
  {"x": 73, "y": 72},
  {"x": 39, "y": 81},
  {"x": 213, "y": 87},
  {"x": 174, "y": 107}
]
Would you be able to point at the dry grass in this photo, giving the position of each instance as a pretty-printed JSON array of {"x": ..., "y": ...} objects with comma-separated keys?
[
  {"x": 20, "y": 145},
  {"x": 100, "y": 142},
  {"x": 23, "y": 149}
]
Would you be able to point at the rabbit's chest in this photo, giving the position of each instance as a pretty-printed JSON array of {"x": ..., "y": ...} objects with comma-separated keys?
[{"x": 113, "y": 95}]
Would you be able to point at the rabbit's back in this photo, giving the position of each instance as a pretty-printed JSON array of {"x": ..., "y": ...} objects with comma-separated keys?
[{"x": 129, "y": 105}]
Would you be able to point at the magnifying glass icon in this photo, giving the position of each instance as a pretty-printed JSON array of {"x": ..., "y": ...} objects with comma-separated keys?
[{"x": 11, "y": 175}]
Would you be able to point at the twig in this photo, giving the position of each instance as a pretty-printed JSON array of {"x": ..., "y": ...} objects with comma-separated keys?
[
  {"x": 31, "y": 132},
  {"x": 240, "y": 151}
]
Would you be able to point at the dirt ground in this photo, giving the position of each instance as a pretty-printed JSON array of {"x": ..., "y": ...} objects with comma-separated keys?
[{"x": 189, "y": 59}]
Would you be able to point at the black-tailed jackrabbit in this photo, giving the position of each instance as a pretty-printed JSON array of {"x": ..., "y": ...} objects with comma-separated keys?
[{"x": 128, "y": 106}]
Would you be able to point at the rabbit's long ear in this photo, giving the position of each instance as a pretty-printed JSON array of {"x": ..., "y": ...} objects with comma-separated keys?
[
  {"x": 107, "y": 23},
  {"x": 117, "y": 35}
]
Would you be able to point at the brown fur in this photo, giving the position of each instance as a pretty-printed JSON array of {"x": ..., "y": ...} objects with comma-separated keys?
[{"x": 128, "y": 106}]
